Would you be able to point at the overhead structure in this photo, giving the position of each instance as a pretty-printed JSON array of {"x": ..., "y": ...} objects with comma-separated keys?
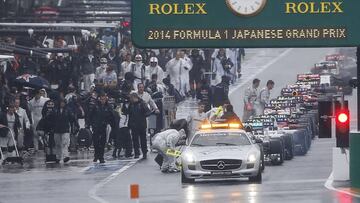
[{"x": 62, "y": 11}]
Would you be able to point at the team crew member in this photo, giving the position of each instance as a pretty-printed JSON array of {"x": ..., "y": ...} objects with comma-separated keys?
[
  {"x": 196, "y": 118},
  {"x": 164, "y": 141},
  {"x": 100, "y": 116},
  {"x": 138, "y": 70},
  {"x": 230, "y": 115},
  {"x": 63, "y": 118},
  {"x": 205, "y": 94},
  {"x": 251, "y": 95},
  {"x": 24, "y": 121},
  {"x": 147, "y": 98},
  {"x": 10, "y": 119},
  {"x": 263, "y": 98},
  {"x": 123, "y": 137},
  {"x": 36, "y": 106},
  {"x": 217, "y": 112},
  {"x": 138, "y": 111},
  {"x": 154, "y": 68},
  {"x": 221, "y": 92},
  {"x": 178, "y": 69},
  {"x": 101, "y": 69}
]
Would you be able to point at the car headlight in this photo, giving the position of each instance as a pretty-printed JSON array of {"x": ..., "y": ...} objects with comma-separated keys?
[
  {"x": 251, "y": 158},
  {"x": 189, "y": 158}
]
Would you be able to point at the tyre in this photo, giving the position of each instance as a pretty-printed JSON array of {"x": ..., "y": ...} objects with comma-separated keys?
[
  {"x": 290, "y": 153},
  {"x": 275, "y": 146},
  {"x": 281, "y": 153},
  {"x": 257, "y": 178},
  {"x": 184, "y": 179},
  {"x": 289, "y": 147},
  {"x": 304, "y": 147}
]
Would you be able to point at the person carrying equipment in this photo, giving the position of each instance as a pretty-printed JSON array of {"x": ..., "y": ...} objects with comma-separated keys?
[
  {"x": 9, "y": 127},
  {"x": 164, "y": 141}
]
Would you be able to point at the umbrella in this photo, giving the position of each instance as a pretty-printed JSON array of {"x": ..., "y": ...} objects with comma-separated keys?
[{"x": 34, "y": 81}]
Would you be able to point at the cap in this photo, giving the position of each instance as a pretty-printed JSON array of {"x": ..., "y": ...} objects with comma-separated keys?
[
  {"x": 138, "y": 57},
  {"x": 60, "y": 54},
  {"x": 182, "y": 133},
  {"x": 153, "y": 60}
]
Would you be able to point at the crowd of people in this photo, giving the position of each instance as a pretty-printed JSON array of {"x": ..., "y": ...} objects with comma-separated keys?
[{"x": 112, "y": 86}]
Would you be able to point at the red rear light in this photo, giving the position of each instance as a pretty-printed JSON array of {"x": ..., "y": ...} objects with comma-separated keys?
[{"x": 343, "y": 118}]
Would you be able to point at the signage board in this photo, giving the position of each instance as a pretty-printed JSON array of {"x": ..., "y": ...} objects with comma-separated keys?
[{"x": 245, "y": 23}]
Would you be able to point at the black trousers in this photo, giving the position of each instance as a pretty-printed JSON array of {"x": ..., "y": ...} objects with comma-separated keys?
[
  {"x": 139, "y": 134},
  {"x": 123, "y": 141},
  {"x": 99, "y": 140}
]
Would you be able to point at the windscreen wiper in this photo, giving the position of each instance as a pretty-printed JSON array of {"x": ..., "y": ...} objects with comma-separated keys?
[{"x": 224, "y": 143}]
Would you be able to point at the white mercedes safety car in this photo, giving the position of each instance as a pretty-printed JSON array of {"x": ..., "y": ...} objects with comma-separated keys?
[{"x": 220, "y": 151}]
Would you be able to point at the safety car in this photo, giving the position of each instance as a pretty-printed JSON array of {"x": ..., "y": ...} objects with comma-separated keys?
[{"x": 222, "y": 151}]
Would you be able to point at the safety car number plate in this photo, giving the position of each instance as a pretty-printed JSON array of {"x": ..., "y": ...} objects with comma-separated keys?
[{"x": 218, "y": 173}]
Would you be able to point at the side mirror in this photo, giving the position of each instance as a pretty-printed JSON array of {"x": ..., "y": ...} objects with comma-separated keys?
[{"x": 354, "y": 83}]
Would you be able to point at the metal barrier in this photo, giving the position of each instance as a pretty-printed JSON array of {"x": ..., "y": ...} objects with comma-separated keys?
[{"x": 169, "y": 108}]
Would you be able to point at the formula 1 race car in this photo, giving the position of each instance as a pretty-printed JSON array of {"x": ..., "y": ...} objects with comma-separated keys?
[
  {"x": 276, "y": 146},
  {"x": 335, "y": 73}
]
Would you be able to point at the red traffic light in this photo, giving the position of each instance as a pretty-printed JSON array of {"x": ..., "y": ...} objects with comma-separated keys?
[
  {"x": 343, "y": 118},
  {"x": 125, "y": 24}
]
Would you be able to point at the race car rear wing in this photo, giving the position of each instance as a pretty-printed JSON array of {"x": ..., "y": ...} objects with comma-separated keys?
[{"x": 335, "y": 57}]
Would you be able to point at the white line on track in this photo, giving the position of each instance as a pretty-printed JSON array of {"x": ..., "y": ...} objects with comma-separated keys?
[
  {"x": 92, "y": 192},
  {"x": 261, "y": 69},
  {"x": 329, "y": 185},
  {"x": 110, "y": 163}
]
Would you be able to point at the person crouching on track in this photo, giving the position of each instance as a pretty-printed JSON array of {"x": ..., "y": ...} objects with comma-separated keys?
[
  {"x": 167, "y": 140},
  {"x": 8, "y": 120},
  {"x": 63, "y": 118}
]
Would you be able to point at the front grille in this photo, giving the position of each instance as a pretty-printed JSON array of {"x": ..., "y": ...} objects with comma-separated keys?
[{"x": 228, "y": 164}]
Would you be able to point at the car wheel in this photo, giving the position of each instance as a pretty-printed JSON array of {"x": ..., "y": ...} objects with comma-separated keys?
[
  {"x": 304, "y": 147},
  {"x": 257, "y": 178},
  {"x": 289, "y": 147},
  {"x": 279, "y": 160},
  {"x": 184, "y": 179},
  {"x": 275, "y": 146}
]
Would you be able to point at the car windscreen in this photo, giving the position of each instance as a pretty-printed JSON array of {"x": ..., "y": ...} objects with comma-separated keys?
[{"x": 220, "y": 139}]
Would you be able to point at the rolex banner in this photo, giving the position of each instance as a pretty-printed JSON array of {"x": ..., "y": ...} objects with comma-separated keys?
[{"x": 245, "y": 23}]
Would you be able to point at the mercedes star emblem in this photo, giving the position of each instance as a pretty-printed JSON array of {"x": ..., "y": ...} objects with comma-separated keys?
[{"x": 221, "y": 165}]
